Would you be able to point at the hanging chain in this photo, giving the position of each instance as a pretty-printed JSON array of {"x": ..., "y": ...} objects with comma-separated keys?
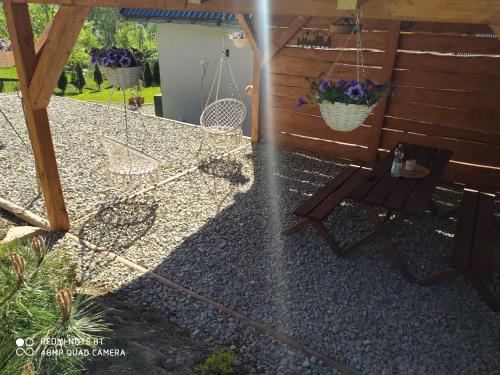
[{"x": 359, "y": 48}]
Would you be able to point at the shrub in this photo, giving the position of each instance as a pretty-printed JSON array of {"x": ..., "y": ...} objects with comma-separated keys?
[
  {"x": 156, "y": 73},
  {"x": 62, "y": 84},
  {"x": 219, "y": 363},
  {"x": 37, "y": 302},
  {"x": 98, "y": 79},
  {"x": 78, "y": 78},
  {"x": 148, "y": 75}
]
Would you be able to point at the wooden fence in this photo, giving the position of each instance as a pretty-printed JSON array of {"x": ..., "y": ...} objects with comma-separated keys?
[{"x": 445, "y": 93}]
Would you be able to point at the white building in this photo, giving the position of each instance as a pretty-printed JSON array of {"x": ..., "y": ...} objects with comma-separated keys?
[{"x": 185, "y": 40}]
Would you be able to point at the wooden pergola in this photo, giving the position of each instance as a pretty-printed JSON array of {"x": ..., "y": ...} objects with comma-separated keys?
[{"x": 39, "y": 64}]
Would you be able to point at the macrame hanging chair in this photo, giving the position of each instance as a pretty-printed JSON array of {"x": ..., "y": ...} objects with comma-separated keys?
[
  {"x": 223, "y": 118},
  {"x": 125, "y": 163},
  {"x": 347, "y": 117}
]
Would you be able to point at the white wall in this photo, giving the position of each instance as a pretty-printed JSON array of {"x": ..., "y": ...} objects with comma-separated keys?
[{"x": 181, "y": 48}]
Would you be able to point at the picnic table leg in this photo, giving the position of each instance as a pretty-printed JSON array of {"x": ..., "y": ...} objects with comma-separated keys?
[
  {"x": 439, "y": 277},
  {"x": 484, "y": 292},
  {"x": 391, "y": 246},
  {"x": 323, "y": 232},
  {"x": 297, "y": 227}
]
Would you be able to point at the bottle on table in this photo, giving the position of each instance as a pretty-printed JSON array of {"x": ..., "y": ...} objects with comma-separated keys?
[{"x": 398, "y": 161}]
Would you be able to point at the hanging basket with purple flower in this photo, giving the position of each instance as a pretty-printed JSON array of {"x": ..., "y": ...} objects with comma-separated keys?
[
  {"x": 6, "y": 55},
  {"x": 344, "y": 104},
  {"x": 121, "y": 66},
  {"x": 239, "y": 39}
]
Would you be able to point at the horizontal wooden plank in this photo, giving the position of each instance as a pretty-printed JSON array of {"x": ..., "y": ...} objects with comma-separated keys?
[
  {"x": 487, "y": 179},
  {"x": 448, "y": 28},
  {"x": 314, "y": 127},
  {"x": 330, "y": 56},
  {"x": 323, "y": 23},
  {"x": 432, "y": 63},
  {"x": 463, "y": 151},
  {"x": 369, "y": 39},
  {"x": 321, "y": 147},
  {"x": 476, "y": 121},
  {"x": 312, "y": 109},
  {"x": 448, "y": 43},
  {"x": 465, "y": 101},
  {"x": 307, "y": 68},
  {"x": 440, "y": 131},
  {"x": 446, "y": 81}
]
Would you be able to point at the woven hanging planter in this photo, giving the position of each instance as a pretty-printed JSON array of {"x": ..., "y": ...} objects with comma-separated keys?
[
  {"x": 123, "y": 78},
  {"x": 239, "y": 42},
  {"x": 7, "y": 59},
  {"x": 344, "y": 117}
]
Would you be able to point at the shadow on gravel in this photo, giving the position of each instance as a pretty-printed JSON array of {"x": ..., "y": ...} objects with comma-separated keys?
[{"x": 359, "y": 310}]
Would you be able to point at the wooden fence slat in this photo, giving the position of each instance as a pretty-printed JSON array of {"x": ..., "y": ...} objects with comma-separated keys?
[
  {"x": 304, "y": 68},
  {"x": 463, "y": 151},
  {"x": 458, "y": 65},
  {"x": 440, "y": 131},
  {"x": 449, "y": 43},
  {"x": 476, "y": 121},
  {"x": 351, "y": 152},
  {"x": 448, "y": 28},
  {"x": 465, "y": 101},
  {"x": 314, "y": 127},
  {"x": 445, "y": 81},
  {"x": 330, "y": 56}
]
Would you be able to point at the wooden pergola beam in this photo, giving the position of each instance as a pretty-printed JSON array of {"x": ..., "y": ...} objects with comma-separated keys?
[
  {"x": 283, "y": 39},
  {"x": 60, "y": 42},
  {"x": 249, "y": 28},
  {"x": 458, "y": 11},
  {"x": 37, "y": 121}
]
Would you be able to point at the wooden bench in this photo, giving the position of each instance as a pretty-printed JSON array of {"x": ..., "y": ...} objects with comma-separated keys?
[
  {"x": 473, "y": 251},
  {"x": 318, "y": 207}
]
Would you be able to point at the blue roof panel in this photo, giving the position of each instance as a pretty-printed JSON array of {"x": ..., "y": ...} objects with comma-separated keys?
[{"x": 169, "y": 15}]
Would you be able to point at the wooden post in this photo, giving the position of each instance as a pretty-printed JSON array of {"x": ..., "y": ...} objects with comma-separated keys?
[
  {"x": 249, "y": 29},
  {"x": 391, "y": 52},
  {"x": 21, "y": 36}
]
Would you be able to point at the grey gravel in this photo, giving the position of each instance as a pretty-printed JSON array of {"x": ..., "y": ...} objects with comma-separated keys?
[{"x": 220, "y": 236}]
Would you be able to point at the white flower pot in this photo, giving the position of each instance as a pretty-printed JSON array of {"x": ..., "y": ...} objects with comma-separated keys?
[
  {"x": 123, "y": 78},
  {"x": 344, "y": 117},
  {"x": 240, "y": 42}
]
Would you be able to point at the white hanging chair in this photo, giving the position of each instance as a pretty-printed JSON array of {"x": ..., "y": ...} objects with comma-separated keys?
[{"x": 223, "y": 116}]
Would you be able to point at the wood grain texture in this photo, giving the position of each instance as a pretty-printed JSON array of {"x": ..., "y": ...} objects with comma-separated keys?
[
  {"x": 37, "y": 121},
  {"x": 461, "y": 11},
  {"x": 61, "y": 38},
  {"x": 391, "y": 49},
  {"x": 449, "y": 43}
]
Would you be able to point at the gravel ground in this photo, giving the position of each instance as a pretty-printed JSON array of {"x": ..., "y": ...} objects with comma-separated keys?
[
  {"x": 220, "y": 236},
  {"x": 76, "y": 127}
]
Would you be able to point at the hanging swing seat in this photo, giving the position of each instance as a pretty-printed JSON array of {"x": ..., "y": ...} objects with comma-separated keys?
[
  {"x": 127, "y": 161},
  {"x": 223, "y": 116}
]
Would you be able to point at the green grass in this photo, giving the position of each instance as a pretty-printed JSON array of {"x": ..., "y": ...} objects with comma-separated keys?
[{"x": 90, "y": 92}]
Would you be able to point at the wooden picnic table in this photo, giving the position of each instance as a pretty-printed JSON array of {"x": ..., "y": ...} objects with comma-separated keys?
[{"x": 373, "y": 186}]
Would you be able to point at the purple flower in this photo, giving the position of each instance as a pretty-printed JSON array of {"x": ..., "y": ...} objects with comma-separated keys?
[
  {"x": 352, "y": 83},
  {"x": 355, "y": 92},
  {"x": 93, "y": 60},
  {"x": 125, "y": 61},
  {"x": 111, "y": 58},
  {"x": 300, "y": 102},
  {"x": 342, "y": 83},
  {"x": 105, "y": 62},
  {"x": 324, "y": 85},
  {"x": 94, "y": 51}
]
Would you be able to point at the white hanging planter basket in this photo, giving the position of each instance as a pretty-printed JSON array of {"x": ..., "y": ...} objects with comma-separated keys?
[
  {"x": 123, "y": 78},
  {"x": 344, "y": 117},
  {"x": 239, "y": 42}
]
